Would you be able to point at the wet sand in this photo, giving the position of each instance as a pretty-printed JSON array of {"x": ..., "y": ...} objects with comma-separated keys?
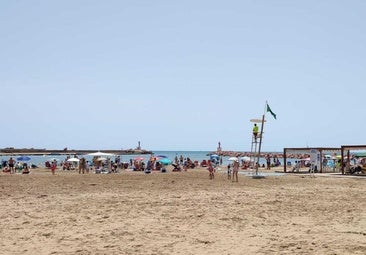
[{"x": 180, "y": 213}]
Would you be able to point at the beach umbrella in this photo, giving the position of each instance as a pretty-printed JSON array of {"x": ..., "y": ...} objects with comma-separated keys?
[
  {"x": 245, "y": 158},
  {"x": 165, "y": 161},
  {"x": 23, "y": 158},
  {"x": 101, "y": 159},
  {"x": 161, "y": 156},
  {"x": 139, "y": 158},
  {"x": 214, "y": 157},
  {"x": 233, "y": 158},
  {"x": 305, "y": 159},
  {"x": 73, "y": 160},
  {"x": 101, "y": 154}
]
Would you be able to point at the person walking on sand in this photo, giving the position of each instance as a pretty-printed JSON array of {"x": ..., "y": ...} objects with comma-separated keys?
[
  {"x": 82, "y": 166},
  {"x": 268, "y": 162},
  {"x": 211, "y": 171},
  {"x": 53, "y": 167},
  {"x": 235, "y": 170}
]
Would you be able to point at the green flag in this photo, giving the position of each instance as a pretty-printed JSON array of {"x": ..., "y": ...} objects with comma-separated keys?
[{"x": 269, "y": 110}]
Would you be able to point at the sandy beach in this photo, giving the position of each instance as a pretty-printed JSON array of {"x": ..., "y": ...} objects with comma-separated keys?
[{"x": 180, "y": 213}]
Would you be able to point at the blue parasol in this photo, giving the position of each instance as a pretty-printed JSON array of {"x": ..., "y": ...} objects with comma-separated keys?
[
  {"x": 161, "y": 156},
  {"x": 23, "y": 158},
  {"x": 165, "y": 161}
]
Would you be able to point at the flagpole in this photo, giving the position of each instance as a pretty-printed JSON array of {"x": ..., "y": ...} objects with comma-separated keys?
[{"x": 260, "y": 141}]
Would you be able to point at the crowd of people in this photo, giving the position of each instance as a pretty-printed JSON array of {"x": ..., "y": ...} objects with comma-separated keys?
[
  {"x": 154, "y": 163},
  {"x": 12, "y": 166}
]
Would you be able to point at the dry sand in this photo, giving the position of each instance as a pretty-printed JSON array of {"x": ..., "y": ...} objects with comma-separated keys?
[{"x": 180, "y": 213}]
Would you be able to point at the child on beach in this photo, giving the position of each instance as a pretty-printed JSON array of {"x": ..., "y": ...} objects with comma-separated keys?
[
  {"x": 53, "y": 167},
  {"x": 229, "y": 171}
]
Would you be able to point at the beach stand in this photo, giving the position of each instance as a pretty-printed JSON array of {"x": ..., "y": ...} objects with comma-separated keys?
[
  {"x": 257, "y": 154},
  {"x": 256, "y": 148}
]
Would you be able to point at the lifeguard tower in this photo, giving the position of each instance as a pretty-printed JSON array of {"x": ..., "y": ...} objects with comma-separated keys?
[{"x": 256, "y": 146}]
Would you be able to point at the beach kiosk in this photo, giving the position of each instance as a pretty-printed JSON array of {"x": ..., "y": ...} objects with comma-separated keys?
[{"x": 316, "y": 155}]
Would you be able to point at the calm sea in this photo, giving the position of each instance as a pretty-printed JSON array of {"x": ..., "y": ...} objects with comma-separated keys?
[{"x": 193, "y": 155}]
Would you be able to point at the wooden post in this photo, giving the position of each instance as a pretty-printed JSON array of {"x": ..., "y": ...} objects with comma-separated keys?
[
  {"x": 284, "y": 160},
  {"x": 348, "y": 160},
  {"x": 342, "y": 167},
  {"x": 321, "y": 160}
]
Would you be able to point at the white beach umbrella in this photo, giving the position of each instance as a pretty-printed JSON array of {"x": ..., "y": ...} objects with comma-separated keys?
[
  {"x": 233, "y": 158},
  {"x": 245, "y": 158},
  {"x": 101, "y": 154},
  {"x": 73, "y": 160}
]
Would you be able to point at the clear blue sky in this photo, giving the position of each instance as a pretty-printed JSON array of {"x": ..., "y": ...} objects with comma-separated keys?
[{"x": 181, "y": 75}]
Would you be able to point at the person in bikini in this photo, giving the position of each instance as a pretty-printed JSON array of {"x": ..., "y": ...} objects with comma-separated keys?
[{"x": 235, "y": 170}]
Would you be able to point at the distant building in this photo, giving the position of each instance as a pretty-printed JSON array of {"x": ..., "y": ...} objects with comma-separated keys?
[{"x": 219, "y": 148}]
